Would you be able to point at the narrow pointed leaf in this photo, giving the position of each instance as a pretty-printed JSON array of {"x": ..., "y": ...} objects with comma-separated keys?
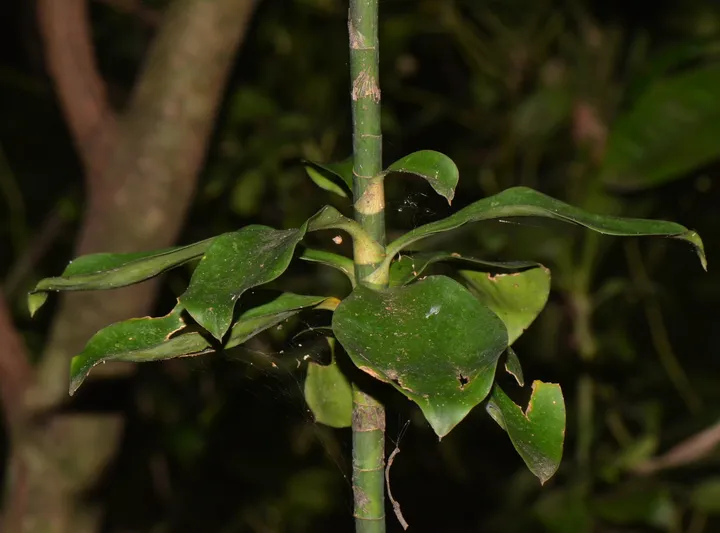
[
  {"x": 538, "y": 433},
  {"x": 672, "y": 129},
  {"x": 234, "y": 263},
  {"x": 513, "y": 366},
  {"x": 436, "y": 168},
  {"x": 410, "y": 267},
  {"x": 156, "y": 339},
  {"x": 339, "y": 262},
  {"x": 110, "y": 271},
  {"x": 433, "y": 340},
  {"x": 340, "y": 174},
  {"x": 516, "y": 298},
  {"x": 525, "y": 202},
  {"x": 321, "y": 180},
  {"x": 328, "y": 393}
]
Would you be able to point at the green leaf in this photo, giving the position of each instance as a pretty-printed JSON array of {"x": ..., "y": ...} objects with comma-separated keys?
[
  {"x": 705, "y": 496},
  {"x": 339, "y": 262},
  {"x": 156, "y": 339},
  {"x": 539, "y": 432},
  {"x": 516, "y": 298},
  {"x": 434, "y": 341},
  {"x": 110, "y": 271},
  {"x": 513, "y": 366},
  {"x": 525, "y": 202},
  {"x": 333, "y": 177},
  {"x": 234, "y": 263},
  {"x": 436, "y": 168},
  {"x": 328, "y": 393},
  {"x": 330, "y": 218},
  {"x": 672, "y": 130},
  {"x": 410, "y": 267},
  {"x": 325, "y": 183}
]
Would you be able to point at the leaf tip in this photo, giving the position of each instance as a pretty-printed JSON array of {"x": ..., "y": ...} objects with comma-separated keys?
[{"x": 35, "y": 301}]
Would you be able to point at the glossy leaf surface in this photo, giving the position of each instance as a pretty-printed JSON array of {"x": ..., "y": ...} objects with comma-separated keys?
[
  {"x": 328, "y": 393},
  {"x": 436, "y": 168},
  {"x": 516, "y": 298},
  {"x": 156, "y": 339},
  {"x": 525, "y": 202},
  {"x": 110, "y": 271},
  {"x": 234, "y": 263},
  {"x": 433, "y": 340},
  {"x": 538, "y": 433},
  {"x": 672, "y": 129}
]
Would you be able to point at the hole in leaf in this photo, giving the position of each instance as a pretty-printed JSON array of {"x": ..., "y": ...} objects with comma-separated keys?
[{"x": 463, "y": 381}]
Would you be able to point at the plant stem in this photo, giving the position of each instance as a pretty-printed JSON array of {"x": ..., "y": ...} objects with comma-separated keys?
[{"x": 368, "y": 424}]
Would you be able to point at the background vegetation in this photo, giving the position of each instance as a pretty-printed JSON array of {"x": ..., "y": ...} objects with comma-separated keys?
[{"x": 168, "y": 136}]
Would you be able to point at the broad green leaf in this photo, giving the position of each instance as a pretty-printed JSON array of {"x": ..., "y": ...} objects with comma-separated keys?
[
  {"x": 516, "y": 298},
  {"x": 705, "y": 496},
  {"x": 328, "y": 393},
  {"x": 538, "y": 433},
  {"x": 513, "y": 366},
  {"x": 672, "y": 129},
  {"x": 234, "y": 263},
  {"x": 436, "y": 168},
  {"x": 410, "y": 267},
  {"x": 334, "y": 177},
  {"x": 110, "y": 271},
  {"x": 433, "y": 340},
  {"x": 339, "y": 262},
  {"x": 156, "y": 339},
  {"x": 525, "y": 202}
]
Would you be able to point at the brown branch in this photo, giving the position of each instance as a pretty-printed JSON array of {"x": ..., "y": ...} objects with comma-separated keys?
[
  {"x": 141, "y": 175},
  {"x": 15, "y": 369},
  {"x": 692, "y": 449},
  {"x": 70, "y": 58}
]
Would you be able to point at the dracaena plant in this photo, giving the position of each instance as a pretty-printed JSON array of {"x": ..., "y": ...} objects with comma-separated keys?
[{"x": 437, "y": 339}]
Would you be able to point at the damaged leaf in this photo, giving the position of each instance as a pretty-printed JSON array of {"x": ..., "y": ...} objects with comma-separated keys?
[{"x": 433, "y": 340}]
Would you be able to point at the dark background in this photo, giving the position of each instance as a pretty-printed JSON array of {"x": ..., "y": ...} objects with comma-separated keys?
[{"x": 525, "y": 92}]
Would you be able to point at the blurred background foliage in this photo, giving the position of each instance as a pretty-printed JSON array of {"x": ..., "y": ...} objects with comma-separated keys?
[{"x": 613, "y": 106}]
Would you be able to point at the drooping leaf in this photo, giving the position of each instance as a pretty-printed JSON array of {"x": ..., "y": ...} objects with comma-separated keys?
[
  {"x": 672, "y": 129},
  {"x": 434, "y": 341},
  {"x": 110, "y": 271},
  {"x": 410, "y": 267},
  {"x": 328, "y": 393},
  {"x": 516, "y": 298},
  {"x": 333, "y": 177},
  {"x": 168, "y": 337},
  {"x": 339, "y": 262},
  {"x": 538, "y": 433},
  {"x": 234, "y": 263},
  {"x": 436, "y": 168},
  {"x": 524, "y": 202},
  {"x": 513, "y": 366}
]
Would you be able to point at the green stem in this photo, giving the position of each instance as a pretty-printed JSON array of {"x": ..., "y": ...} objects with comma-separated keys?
[{"x": 368, "y": 424}]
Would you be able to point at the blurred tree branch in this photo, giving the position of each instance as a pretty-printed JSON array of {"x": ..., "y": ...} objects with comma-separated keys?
[
  {"x": 15, "y": 369},
  {"x": 141, "y": 168}
]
